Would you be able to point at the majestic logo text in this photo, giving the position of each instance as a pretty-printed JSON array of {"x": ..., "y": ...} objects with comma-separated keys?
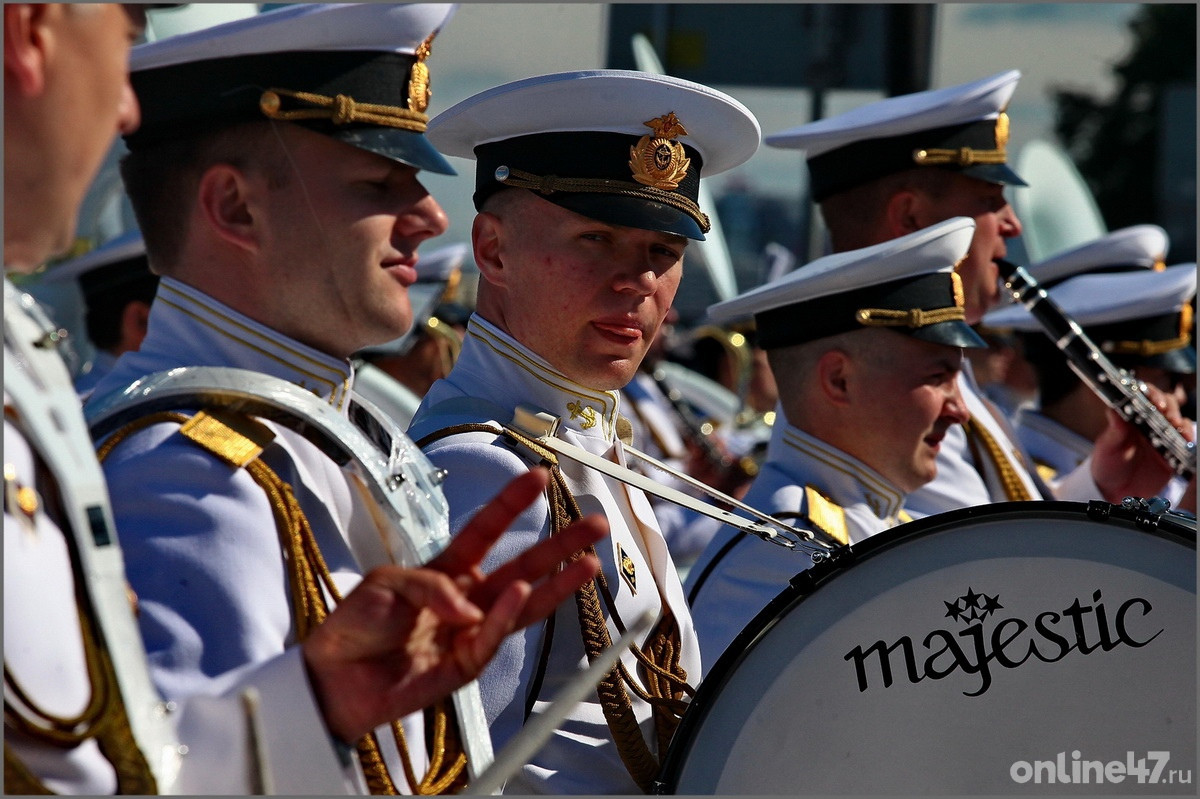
[{"x": 1050, "y": 637}]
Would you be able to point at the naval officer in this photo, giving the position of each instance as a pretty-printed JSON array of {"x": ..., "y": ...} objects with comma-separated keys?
[
  {"x": 1005, "y": 377},
  {"x": 275, "y": 181},
  {"x": 866, "y": 346},
  {"x": 53, "y": 147},
  {"x": 586, "y": 187},
  {"x": 1141, "y": 319},
  {"x": 81, "y": 714},
  {"x": 890, "y": 167}
]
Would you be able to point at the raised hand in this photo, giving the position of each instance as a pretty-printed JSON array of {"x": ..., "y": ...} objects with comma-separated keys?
[{"x": 405, "y": 638}]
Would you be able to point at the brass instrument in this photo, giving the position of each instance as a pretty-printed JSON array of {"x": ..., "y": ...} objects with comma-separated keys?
[{"x": 738, "y": 351}]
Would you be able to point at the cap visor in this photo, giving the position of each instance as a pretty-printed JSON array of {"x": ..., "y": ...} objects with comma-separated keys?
[
  {"x": 399, "y": 145},
  {"x": 995, "y": 173},
  {"x": 632, "y": 212},
  {"x": 953, "y": 334}
]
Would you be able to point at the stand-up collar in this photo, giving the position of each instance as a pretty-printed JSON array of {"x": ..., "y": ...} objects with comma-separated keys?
[
  {"x": 844, "y": 479},
  {"x": 190, "y": 328},
  {"x": 513, "y": 375}
]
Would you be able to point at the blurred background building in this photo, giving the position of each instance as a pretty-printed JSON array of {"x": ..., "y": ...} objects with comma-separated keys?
[{"x": 1104, "y": 119}]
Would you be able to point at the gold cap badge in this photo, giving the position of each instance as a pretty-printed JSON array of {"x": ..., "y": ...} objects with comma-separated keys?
[
  {"x": 419, "y": 92},
  {"x": 1002, "y": 131},
  {"x": 656, "y": 160}
]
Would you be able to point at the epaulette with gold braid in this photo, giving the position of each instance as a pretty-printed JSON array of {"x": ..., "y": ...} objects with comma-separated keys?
[
  {"x": 824, "y": 513},
  {"x": 1045, "y": 471}
]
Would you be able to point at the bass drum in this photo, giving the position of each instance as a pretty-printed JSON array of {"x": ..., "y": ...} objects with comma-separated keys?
[{"x": 1009, "y": 648}]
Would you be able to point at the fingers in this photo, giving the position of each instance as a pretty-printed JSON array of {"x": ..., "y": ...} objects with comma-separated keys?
[
  {"x": 473, "y": 649},
  {"x": 550, "y": 593},
  {"x": 427, "y": 588},
  {"x": 472, "y": 543},
  {"x": 385, "y": 604},
  {"x": 539, "y": 560},
  {"x": 1166, "y": 403}
]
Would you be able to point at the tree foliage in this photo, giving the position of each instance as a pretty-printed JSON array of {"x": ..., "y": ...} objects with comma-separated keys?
[{"x": 1115, "y": 142}]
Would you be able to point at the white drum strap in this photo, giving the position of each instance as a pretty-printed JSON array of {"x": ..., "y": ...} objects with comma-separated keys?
[
  {"x": 542, "y": 427},
  {"x": 127, "y": 719}
]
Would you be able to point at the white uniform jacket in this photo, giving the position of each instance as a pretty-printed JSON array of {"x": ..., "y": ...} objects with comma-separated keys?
[
  {"x": 501, "y": 375},
  {"x": 201, "y": 541},
  {"x": 1058, "y": 451},
  {"x": 738, "y": 574},
  {"x": 963, "y": 481},
  {"x": 1054, "y": 449},
  {"x": 42, "y": 642}
]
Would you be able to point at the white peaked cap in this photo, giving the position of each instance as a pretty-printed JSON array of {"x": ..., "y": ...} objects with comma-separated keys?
[
  {"x": 1106, "y": 298},
  {"x": 912, "y": 275},
  {"x": 1130, "y": 248},
  {"x": 908, "y": 113},
  {"x": 719, "y": 127}
]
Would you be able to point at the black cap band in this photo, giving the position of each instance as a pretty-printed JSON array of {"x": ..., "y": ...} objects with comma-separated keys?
[
  {"x": 1162, "y": 341},
  {"x": 590, "y": 173},
  {"x": 975, "y": 149},
  {"x": 203, "y": 96},
  {"x": 928, "y": 307}
]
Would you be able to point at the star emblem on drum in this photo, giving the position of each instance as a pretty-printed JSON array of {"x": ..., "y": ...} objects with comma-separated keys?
[{"x": 972, "y": 606}]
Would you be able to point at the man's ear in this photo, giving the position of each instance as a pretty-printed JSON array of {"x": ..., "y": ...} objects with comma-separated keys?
[
  {"x": 135, "y": 319},
  {"x": 904, "y": 213},
  {"x": 487, "y": 235},
  {"x": 834, "y": 369},
  {"x": 28, "y": 38},
  {"x": 226, "y": 203}
]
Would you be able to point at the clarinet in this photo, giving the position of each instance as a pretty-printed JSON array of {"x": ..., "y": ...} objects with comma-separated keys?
[{"x": 1117, "y": 387}]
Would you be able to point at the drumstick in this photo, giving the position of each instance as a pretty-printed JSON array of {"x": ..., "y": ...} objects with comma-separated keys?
[{"x": 540, "y": 727}]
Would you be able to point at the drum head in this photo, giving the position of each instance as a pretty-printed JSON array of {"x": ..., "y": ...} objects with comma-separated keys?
[{"x": 1010, "y": 648}]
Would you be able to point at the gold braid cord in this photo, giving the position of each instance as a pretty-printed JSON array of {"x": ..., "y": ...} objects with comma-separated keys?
[
  {"x": 666, "y": 680},
  {"x": 238, "y": 440},
  {"x": 103, "y": 720},
  {"x": 914, "y": 317},
  {"x": 1014, "y": 487},
  {"x": 340, "y": 110},
  {"x": 1147, "y": 348},
  {"x": 548, "y": 184},
  {"x": 963, "y": 156}
]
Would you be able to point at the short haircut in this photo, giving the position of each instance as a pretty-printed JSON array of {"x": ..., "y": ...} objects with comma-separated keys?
[
  {"x": 161, "y": 180},
  {"x": 502, "y": 201},
  {"x": 852, "y": 214},
  {"x": 793, "y": 366}
]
